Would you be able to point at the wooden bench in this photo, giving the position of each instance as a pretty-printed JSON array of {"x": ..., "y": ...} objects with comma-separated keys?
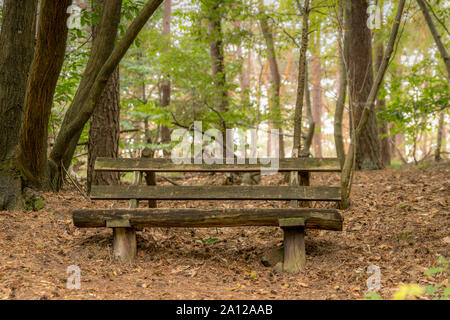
[{"x": 292, "y": 220}]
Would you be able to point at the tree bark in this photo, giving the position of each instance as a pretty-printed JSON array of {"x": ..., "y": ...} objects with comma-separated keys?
[
  {"x": 104, "y": 130},
  {"x": 104, "y": 133},
  {"x": 361, "y": 81},
  {"x": 17, "y": 38},
  {"x": 44, "y": 73},
  {"x": 350, "y": 158}
]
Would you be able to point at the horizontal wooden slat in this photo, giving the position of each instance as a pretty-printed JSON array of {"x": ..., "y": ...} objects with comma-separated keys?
[
  {"x": 215, "y": 193},
  {"x": 327, "y": 219},
  {"x": 167, "y": 165}
]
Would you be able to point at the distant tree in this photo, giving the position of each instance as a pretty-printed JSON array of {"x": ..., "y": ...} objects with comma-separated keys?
[
  {"x": 275, "y": 104},
  {"x": 216, "y": 11},
  {"x": 317, "y": 91},
  {"x": 165, "y": 85},
  {"x": 343, "y": 46},
  {"x": 385, "y": 146}
]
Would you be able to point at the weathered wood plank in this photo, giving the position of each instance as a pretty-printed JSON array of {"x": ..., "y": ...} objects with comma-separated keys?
[
  {"x": 327, "y": 219},
  {"x": 294, "y": 249},
  {"x": 124, "y": 244},
  {"x": 167, "y": 165},
  {"x": 291, "y": 222},
  {"x": 215, "y": 193}
]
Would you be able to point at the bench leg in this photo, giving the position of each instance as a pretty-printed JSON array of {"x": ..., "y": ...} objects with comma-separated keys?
[
  {"x": 124, "y": 244},
  {"x": 294, "y": 249}
]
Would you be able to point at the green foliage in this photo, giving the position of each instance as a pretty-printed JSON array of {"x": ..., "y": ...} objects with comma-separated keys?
[
  {"x": 186, "y": 60},
  {"x": 438, "y": 291},
  {"x": 372, "y": 296},
  {"x": 33, "y": 202},
  {"x": 414, "y": 101}
]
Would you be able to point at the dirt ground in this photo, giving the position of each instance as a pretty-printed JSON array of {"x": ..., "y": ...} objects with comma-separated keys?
[{"x": 398, "y": 221}]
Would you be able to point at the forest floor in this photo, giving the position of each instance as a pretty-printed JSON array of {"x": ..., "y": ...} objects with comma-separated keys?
[{"x": 398, "y": 221}]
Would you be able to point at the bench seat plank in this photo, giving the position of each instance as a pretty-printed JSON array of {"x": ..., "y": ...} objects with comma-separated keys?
[
  {"x": 122, "y": 192},
  {"x": 167, "y": 165},
  {"x": 327, "y": 219}
]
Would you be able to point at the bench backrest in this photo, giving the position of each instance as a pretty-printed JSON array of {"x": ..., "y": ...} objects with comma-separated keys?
[
  {"x": 167, "y": 165},
  {"x": 140, "y": 192}
]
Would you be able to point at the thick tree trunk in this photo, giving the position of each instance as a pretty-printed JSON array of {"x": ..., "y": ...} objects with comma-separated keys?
[
  {"x": 361, "y": 80},
  {"x": 368, "y": 109},
  {"x": 45, "y": 70},
  {"x": 104, "y": 130},
  {"x": 165, "y": 86},
  {"x": 104, "y": 133},
  {"x": 17, "y": 38}
]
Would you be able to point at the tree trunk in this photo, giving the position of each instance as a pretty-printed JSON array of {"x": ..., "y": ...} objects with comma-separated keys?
[
  {"x": 437, "y": 38},
  {"x": 317, "y": 92},
  {"x": 17, "y": 38},
  {"x": 301, "y": 83},
  {"x": 383, "y": 128},
  {"x": 294, "y": 238},
  {"x": 344, "y": 11},
  {"x": 275, "y": 104},
  {"x": 317, "y": 102},
  {"x": 311, "y": 124},
  {"x": 218, "y": 64},
  {"x": 104, "y": 131},
  {"x": 165, "y": 86},
  {"x": 102, "y": 46},
  {"x": 44, "y": 73},
  {"x": 368, "y": 109},
  {"x": 440, "y": 134},
  {"x": 361, "y": 80}
]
